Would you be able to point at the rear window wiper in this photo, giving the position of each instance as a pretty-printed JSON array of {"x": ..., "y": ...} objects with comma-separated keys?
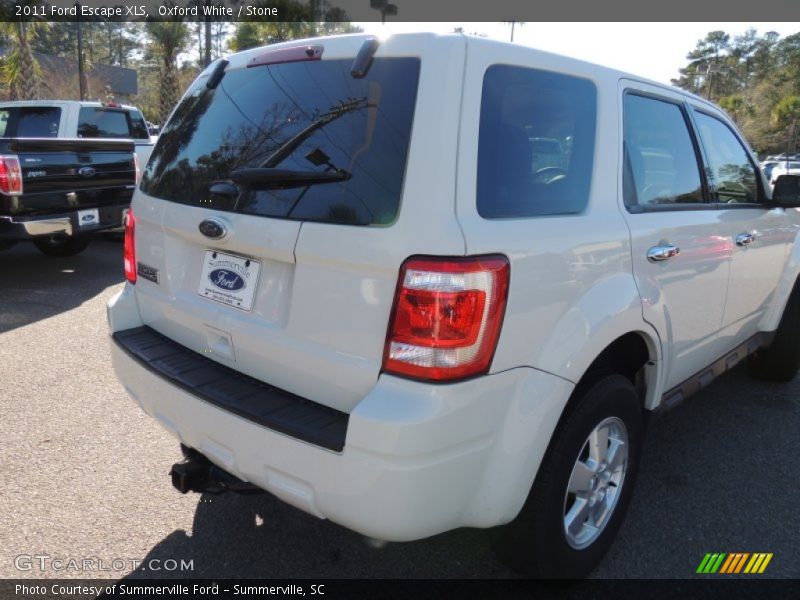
[
  {"x": 290, "y": 145},
  {"x": 285, "y": 178}
]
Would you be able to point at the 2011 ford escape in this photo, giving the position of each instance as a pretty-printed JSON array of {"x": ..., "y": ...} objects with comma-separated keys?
[{"x": 353, "y": 283}]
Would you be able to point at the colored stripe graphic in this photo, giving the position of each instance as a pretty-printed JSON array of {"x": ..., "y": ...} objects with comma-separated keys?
[
  {"x": 765, "y": 563},
  {"x": 703, "y": 563},
  {"x": 711, "y": 563},
  {"x": 741, "y": 562},
  {"x": 728, "y": 563},
  {"x": 734, "y": 562}
]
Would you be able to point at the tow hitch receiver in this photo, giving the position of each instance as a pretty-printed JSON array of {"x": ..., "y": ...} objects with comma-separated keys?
[{"x": 198, "y": 474}]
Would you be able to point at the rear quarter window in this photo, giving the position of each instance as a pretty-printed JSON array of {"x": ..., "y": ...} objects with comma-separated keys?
[
  {"x": 30, "y": 121},
  {"x": 536, "y": 143},
  {"x": 303, "y": 117},
  {"x": 138, "y": 126}
]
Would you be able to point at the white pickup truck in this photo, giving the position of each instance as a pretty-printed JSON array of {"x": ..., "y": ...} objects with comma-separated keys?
[
  {"x": 354, "y": 282},
  {"x": 78, "y": 119}
]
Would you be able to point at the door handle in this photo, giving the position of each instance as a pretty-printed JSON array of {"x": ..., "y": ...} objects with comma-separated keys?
[
  {"x": 745, "y": 239},
  {"x": 659, "y": 253}
]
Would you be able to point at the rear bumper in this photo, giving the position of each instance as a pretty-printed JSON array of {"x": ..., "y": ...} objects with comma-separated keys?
[
  {"x": 24, "y": 227},
  {"x": 417, "y": 459}
]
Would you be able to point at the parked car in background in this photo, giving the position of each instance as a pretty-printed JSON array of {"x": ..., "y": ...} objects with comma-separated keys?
[
  {"x": 57, "y": 192},
  {"x": 784, "y": 167},
  {"x": 767, "y": 166},
  {"x": 80, "y": 119}
]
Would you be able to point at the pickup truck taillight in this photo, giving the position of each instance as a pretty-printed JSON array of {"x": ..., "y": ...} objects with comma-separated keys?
[
  {"x": 129, "y": 249},
  {"x": 10, "y": 175},
  {"x": 446, "y": 317}
]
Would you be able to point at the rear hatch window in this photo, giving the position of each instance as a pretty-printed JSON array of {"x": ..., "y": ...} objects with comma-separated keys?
[{"x": 301, "y": 141}]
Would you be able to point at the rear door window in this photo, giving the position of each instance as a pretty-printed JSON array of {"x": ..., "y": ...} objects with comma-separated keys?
[
  {"x": 536, "y": 143},
  {"x": 660, "y": 163},
  {"x": 349, "y": 136}
]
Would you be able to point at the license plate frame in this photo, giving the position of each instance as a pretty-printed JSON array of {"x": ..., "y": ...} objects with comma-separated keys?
[
  {"x": 89, "y": 217},
  {"x": 229, "y": 279}
]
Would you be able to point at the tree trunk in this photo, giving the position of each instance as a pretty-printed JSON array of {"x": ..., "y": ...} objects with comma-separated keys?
[
  {"x": 169, "y": 91},
  {"x": 27, "y": 87},
  {"x": 207, "y": 58}
]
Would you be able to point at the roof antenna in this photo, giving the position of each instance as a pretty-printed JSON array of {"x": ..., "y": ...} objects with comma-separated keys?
[{"x": 363, "y": 61}]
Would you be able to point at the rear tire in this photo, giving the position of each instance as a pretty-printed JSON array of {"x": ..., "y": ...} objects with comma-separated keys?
[
  {"x": 564, "y": 534},
  {"x": 780, "y": 360},
  {"x": 62, "y": 245}
]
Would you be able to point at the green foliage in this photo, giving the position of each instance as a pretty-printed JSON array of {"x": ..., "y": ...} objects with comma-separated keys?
[
  {"x": 754, "y": 78},
  {"x": 166, "y": 55},
  {"x": 306, "y": 20},
  {"x": 20, "y": 72},
  {"x": 167, "y": 40}
]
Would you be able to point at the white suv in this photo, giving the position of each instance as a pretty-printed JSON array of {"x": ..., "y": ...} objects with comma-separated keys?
[{"x": 351, "y": 284}]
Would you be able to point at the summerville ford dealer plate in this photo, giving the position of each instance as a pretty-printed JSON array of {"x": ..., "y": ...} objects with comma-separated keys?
[{"x": 229, "y": 279}]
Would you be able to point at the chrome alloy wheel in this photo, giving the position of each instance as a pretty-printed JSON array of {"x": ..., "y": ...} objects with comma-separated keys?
[{"x": 596, "y": 483}]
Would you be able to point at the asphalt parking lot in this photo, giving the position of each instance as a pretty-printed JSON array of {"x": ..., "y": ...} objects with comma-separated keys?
[{"x": 85, "y": 472}]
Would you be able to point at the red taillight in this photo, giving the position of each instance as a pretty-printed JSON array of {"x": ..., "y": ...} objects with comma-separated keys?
[
  {"x": 138, "y": 168},
  {"x": 10, "y": 175},
  {"x": 447, "y": 316},
  {"x": 129, "y": 251}
]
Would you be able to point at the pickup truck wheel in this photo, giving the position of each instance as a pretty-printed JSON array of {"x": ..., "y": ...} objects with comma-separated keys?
[
  {"x": 581, "y": 493},
  {"x": 780, "y": 360},
  {"x": 62, "y": 245}
]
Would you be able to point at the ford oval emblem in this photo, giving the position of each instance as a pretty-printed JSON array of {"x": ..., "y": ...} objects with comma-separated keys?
[
  {"x": 87, "y": 171},
  {"x": 226, "y": 280},
  {"x": 211, "y": 228}
]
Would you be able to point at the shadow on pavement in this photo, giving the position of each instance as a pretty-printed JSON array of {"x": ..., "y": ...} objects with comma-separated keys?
[
  {"x": 34, "y": 286},
  {"x": 713, "y": 478},
  {"x": 258, "y": 536}
]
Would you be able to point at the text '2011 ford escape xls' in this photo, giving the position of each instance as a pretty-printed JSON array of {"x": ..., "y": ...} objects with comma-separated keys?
[{"x": 439, "y": 281}]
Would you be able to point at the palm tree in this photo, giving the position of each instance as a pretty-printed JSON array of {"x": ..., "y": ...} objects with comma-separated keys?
[
  {"x": 20, "y": 70},
  {"x": 168, "y": 39}
]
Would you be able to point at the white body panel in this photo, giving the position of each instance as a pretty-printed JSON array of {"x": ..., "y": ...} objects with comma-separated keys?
[
  {"x": 418, "y": 460},
  {"x": 421, "y": 458}
]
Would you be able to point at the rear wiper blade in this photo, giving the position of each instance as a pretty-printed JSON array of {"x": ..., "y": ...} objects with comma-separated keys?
[
  {"x": 290, "y": 145},
  {"x": 285, "y": 178}
]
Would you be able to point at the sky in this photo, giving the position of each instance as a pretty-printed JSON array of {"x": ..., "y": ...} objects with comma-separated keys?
[{"x": 652, "y": 50}]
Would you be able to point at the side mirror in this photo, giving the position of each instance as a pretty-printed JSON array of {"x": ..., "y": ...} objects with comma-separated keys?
[{"x": 786, "y": 192}]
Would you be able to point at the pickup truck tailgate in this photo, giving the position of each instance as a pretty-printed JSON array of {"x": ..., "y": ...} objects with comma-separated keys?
[{"x": 62, "y": 173}]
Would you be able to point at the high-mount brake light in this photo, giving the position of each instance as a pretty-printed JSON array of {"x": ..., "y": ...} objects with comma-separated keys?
[
  {"x": 277, "y": 56},
  {"x": 447, "y": 317},
  {"x": 10, "y": 175}
]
